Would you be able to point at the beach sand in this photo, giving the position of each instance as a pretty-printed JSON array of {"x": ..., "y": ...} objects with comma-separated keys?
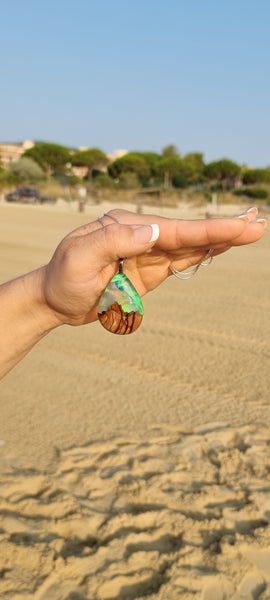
[{"x": 139, "y": 467}]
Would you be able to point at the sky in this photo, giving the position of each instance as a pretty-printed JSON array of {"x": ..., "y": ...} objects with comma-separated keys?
[{"x": 138, "y": 75}]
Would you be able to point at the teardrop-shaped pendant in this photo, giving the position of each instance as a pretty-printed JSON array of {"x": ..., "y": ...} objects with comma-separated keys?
[{"x": 120, "y": 308}]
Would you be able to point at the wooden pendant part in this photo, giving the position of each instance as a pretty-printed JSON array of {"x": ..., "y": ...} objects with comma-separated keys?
[
  {"x": 120, "y": 308},
  {"x": 120, "y": 322}
]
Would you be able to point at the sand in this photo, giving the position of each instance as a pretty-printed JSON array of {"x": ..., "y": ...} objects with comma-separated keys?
[{"x": 139, "y": 467}]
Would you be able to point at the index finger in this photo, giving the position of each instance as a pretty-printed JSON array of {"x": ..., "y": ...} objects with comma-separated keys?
[{"x": 177, "y": 233}]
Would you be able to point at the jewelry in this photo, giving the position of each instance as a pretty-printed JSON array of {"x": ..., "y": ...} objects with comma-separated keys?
[
  {"x": 188, "y": 274},
  {"x": 108, "y": 215},
  {"x": 120, "y": 308}
]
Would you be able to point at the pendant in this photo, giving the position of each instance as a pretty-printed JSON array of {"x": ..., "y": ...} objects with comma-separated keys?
[{"x": 120, "y": 308}]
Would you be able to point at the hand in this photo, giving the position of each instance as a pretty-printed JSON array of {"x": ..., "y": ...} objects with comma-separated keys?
[{"x": 88, "y": 258}]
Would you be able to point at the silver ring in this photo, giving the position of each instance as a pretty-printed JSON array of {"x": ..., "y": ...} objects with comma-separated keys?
[
  {"x": 188, "y": 274},
  {"x": 112, "y": 217},
  {"x": 108, "y": 215}
]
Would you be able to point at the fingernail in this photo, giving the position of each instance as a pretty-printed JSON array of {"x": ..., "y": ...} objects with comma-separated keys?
[
  {"x": 244, "y": 217},
  {"x": 246, "y": 213},
  {"x": 155, "y": 232},
  {"x": 146, "y": 233},
  {"x": 262, "y": 221}
]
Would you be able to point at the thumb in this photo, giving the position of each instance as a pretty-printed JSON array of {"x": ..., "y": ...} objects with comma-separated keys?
[{"x": 124, "y": 241}]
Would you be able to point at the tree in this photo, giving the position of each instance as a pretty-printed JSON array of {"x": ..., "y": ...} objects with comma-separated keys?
[
  {"x": 92, "y": 158},
  {"x": 26, "y": 169},
  {"x": 128, "y": 181},
  {"x": 179, "y": 181},
  {"x": 4, "y": 176},
  {"x": 130, "y": 163},
  {"x": 151, "y": 158},
  {"x": 52, "y": 158},
  {"x": 252, "y": 192},
  {"x": 168, "y": 167},
  {"x": 104, "y": 181},
  {"x": 195, "y": 158},
  {"x": 251, "y": 176},
  {"x": 170, "y": 151},
  {"x": 195, "y": 166},
  {"x": 226, "y": 171}
]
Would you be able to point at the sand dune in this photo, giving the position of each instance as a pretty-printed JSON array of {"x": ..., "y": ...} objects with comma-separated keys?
[{"x": 139, "y": 468}]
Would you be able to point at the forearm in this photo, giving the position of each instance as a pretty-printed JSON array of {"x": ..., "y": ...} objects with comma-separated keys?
[{"x": 25, "y": 318}]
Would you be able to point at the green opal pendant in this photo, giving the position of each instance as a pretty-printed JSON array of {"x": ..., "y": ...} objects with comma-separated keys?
[{"x": 120, "y": 308}]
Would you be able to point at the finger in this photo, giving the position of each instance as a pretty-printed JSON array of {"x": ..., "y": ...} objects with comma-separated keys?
[
  {"x": 167, "y": 225},
  {"x": 109, "y": 244},
  {"x": 250, "y": 213},
  {"x": 252, "y": 233},
  {"x": 181, "y": 233},
  {"x": 175, "y": 233}
]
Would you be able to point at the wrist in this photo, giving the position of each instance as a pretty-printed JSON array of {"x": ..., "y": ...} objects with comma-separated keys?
[
  {"x": 25, "y": 317},
  {"x": 35, "y": 305}
]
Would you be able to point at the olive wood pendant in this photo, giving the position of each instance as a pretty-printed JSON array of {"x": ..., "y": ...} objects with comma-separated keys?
[{"x": 120, "y": 308}]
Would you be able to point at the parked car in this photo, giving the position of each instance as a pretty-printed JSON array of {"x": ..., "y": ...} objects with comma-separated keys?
[
  {"x": 23, "y": 195},
  {"x": 27, "y": 195}
]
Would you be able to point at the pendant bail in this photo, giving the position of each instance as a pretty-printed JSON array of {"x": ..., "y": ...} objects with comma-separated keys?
[{"x": 121, "y": 265}]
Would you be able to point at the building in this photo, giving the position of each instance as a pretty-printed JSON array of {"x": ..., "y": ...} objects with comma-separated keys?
[
  {"x": 12, "y": 152},
  {"x": 79, "y": 172}
]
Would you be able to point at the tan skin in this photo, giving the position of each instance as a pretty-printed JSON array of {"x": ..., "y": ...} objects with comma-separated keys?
[{"x": 67, "y": 290}]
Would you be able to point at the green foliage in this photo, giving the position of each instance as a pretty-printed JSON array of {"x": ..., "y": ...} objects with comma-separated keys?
[
  {"x": 96, "y": 173},
  {"x": 128, "y": 181},
  {"x": 74, "y": 181},
  {"x": 179, "y": 181},
  {"x": 63, "y": 180},
  {"x": 170, "y": 151},
  {"x": 145, "y": 182},
  {"x": 7, "y": 178},
  {"x": 216, "y": 187},
  {"x": 258, "y": 193},
  {"x": 222, "y": 170},
  {"x": 52, "y": 158},
  {"x": 3, "y": 176},
  {"x": 151, "y": 158},
  {"x": 195, "y": 158},
  {"x": 251, "y": 176},
  {"x": 89, "y": 158},
  {"x": 26, "y": 169},
  {"x": 194, "y": 167},
  {"x": 181, "y": 171},
  {"x": 104, "y": 181},
  {"x": 171, "y": 165},
  {"x": 130, "y": 163}
]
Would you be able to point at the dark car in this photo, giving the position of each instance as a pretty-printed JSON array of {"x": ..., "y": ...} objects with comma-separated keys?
[
  {"x": 28, "y": 195},
  {"x": 24, "y": 195}
]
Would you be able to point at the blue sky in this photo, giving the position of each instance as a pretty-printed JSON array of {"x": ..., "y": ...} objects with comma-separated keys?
[{"x": 138, "y": 75}]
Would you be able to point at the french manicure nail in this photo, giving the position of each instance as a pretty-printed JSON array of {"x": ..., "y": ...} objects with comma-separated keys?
[
  {"x": 252, "y": 208},
  {"x": 262, "y": 221},
  {"x": 155, "y": 232},
  {"x": 146, "y": 233},
  {"x": 244, "y": 217}
]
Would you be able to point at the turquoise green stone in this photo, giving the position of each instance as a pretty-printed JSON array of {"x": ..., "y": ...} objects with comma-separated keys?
[{"x": 121, "y": 291}]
